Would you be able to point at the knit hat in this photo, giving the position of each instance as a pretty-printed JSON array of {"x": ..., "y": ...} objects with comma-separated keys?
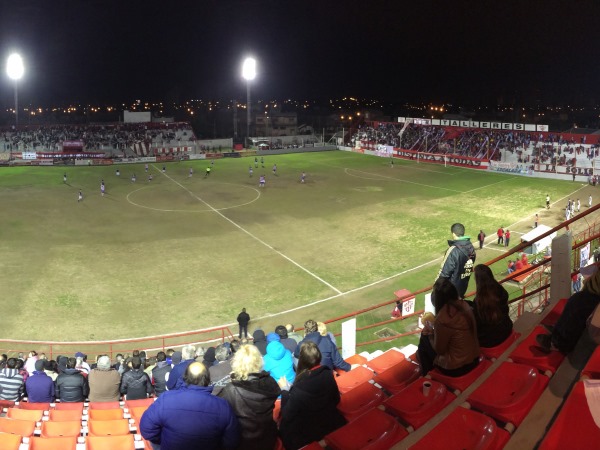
[
  {"x": 39, "y": 365},
  {"x": 176, "y": 357},
  {"x": 273, "y": 337}
]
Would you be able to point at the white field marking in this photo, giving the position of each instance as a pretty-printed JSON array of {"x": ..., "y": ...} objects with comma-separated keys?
[
  {"x": 488, "y": 185},
  {"x": 396, "y": 179},
  {"x": 395, "y": 160},
  {"x": 498, "y": 249},
  {"x": 197, "y": 211},
  {"x": 239, "y": 227}
]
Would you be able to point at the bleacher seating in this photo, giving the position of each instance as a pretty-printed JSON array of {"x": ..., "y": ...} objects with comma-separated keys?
[
  {"x": 55, "y": 443},
  {"x": 528, "y": 352},
  {"x": 493, "y": 353},
  {"x": 459, "y": 384}
]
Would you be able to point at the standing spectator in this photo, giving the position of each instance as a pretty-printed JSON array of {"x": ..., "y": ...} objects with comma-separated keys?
[
  {"x": 12, "y": 385},
  {"x": 104, "y": 382},
  {"x": 243, "y": 319},
  {"x": 459, "y": 259},
  {"x": 252, "y": 394},
  {"x": 220, "y": 373},
  {"x": 260, "y": 341},
  {"x": 39, "y": 386},
  {"x": 159, "y": 373},
  {"x": 536, "y": 221},
  {"x": 500, "y": 234},
  {"x": 279, "y": 362},
  {"x": 191, "y": 417},
  {"x": 507, "y": 238},
  {"x": 309, "y": 410},
  {"x": 188, "y": 353},
  {"x": 323, "y": 332},
  {"x": 71, "y": 385},
  {"x": 330, "y": 356},
  {"x": 481, "y": 239},
  {"x": 287, "y": 342},
  {"x": 576, "y": 280},
  {"x": 135, "y": 383}
]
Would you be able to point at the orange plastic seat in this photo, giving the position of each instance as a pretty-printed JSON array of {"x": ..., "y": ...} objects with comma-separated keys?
[
  {"x": 105, "y": 414},
  {"x": 64, "y": 415},
  {"x": 104, "y": 405},
  {"x": 414, "y": 408},
  {"x": 464, "y": 429},
  {"x": 459, "y": 384},
  {"x": 509, "y": 393},
  {"x": 354, "y": 359},
  {"x": 141, "y": 402},
  {"x": 552, "y": 317},
  {"x": 359, "y": 400},
  {"x": 493, "y": 353},
  {"x": 574, "y": 427},
  {"x": 374, "y": 430},
  {"x": 137, "y": 412},
  {"x": 55, "y": 443},
  {"x": 125, "y": 442},
  {"x": 60, "y": 429},
  {"x": 385, "y": 361},
  {"x": 6, "y": 403},
  {"x": 529, "y": 352},
  {"x": 349, "y": 380},
  {"x": 108, "y": 427},
  {"x": 24, "y": 428},
  {"x": 397, "y": 377},
  {"x": 25, "y": 414},
  {"x": 69, "y": 405},
  {"x": 36, "y": 406},
  {"x": 592, "y": 367},
  {"x": 10, "y": 441}
]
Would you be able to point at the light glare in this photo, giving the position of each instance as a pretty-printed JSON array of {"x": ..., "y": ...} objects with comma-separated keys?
[
  {"x": 14, "y": 66},
  {"x": 249, "y": 69}
]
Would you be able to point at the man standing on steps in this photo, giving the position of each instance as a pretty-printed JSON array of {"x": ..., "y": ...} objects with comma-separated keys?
[
  {"x": 459, "y": 259},
  {"x": 243, "y": 319},
  {"x": 481, "y": 239}
]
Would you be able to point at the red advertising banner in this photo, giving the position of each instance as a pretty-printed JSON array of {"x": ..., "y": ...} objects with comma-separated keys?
[{"x": 437, "y": 158}]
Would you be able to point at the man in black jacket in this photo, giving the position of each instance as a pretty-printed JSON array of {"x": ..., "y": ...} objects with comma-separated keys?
[
  {"x": 135, "y": 383},
  {"x": 243, "y": 319},
  {"x": 159, "y": 373},
  {"x": 459, "y": 259},
  {"x": 71, "y": 385}
]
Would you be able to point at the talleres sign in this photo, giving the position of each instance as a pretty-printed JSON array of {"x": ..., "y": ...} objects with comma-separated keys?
[{"x": 476, "y": 124}]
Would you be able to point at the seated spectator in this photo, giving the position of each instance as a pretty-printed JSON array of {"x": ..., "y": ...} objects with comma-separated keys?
[
  {"x": 287, "y": 342},
  {"x": 21, "y": 369},
  {"x": 104, "y": 382},
  {"x": 30, "y": 362},
  {"x": 573, "y": 320},
  {"x": 51, "y": 369},
  {"x": 82, "y": 364},
  {"x": 188, "y": 353},
  {"x": 279, "y": 362},
  {"x": 451, "y": 344},
  {"x": 292, "y": 333},
  {"x": 260, "y": 341},
  {"x": 309, "y": 410},
  {"x": 511, "y": 267},
  {"x": 39, "y": 386},
  {"x": 220, "y": 373},
  {"x": 323, "y": 332},
  {"x": 329, "y": 352},
  {"x": 252, "y": 394},
  {"x": 490, "y": 308},
  {"x": 209, "y": 358},
  {"x": 71, "y": 385},
  {"x": 518, "y": 265},
  {"x": 12, "y": 385},
  {"x": 190, "y": 417},
  {"x": 524, "y": 260},
  {"x": 119, "y": 365},
  {"x": 135, "y": 383},
  {"x": 159, "y": 379}
]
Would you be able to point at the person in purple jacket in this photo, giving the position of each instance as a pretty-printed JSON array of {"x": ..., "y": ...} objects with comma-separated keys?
[{"x": 39, "y": 386}]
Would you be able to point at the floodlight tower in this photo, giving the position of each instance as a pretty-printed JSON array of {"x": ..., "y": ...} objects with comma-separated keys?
[
  {"x": 248, "y": 73},
  {"x": 15, "y": 70}
]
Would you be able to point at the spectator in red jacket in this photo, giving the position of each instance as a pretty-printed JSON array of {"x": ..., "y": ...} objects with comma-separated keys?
[{"x": 500, "y": 234}]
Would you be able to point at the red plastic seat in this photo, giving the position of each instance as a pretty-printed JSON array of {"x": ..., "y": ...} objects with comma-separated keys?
[
  {"x": 312, "y": 446},
  {"x": 354, "y": 359},
  {"x": 529, "y": 352},
  {"x": 464, "y": 429},
  {"x": 349, "y": 380},
  {"x": 493, "y": 353},
  {"x": 459, "y": 384},
  {"x": 104, "y": 405},
  {"x": 25, "y": 414},
  {"x": 108, "y": 427},
  {"x": 277, "y": 410},
  {"x": 36, "y": 406},
  {"x": 509, "y": 393},
  {"x": 552, "y": 317},
  {"x": 64, "y": 415},
  {"x": 60, "y": 429},
  {"x": 385, "y": 361},
  {"x": 414, "y": 408},
  {"x": 359, "y": 400},
  {"x": 397, "y": 377},
  {"x": 592, "y": 368},
  {"x": 374, "y": 430},
  {"x": 68, "y": 405},
  {"x": 125, "y": 442},
  {"x": 105, "y": 414},
  {"x": 24, "y": 428},
  {"x": 141, "y": 402},
  {"x": 574, "y": 428},
  {"x": 6, "y": 403},
  {"x": 10, "y": 441},
  {"x": 55, "y": 443}
]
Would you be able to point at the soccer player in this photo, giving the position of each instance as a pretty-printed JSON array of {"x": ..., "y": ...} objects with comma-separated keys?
[
  {"x": 133, "y": 178},
  {"x": 207, "y": 172},
  {"x": 118, "y": 173},
  {"x": 149, "y": 177},
  {"x": 303, "y": 177},
  {"x": 547, "y": 201},
  {"x": 146, "y": 167},
  {"x": 590, "y": 201},
  {"x": 261, "y": 181},
  {"x": 274, "y": 169},
  {"x": 102, "y": 188},
  {"x": 65, "y": 178},
  {"x": 250, "y": 171},
  {"x": 262, "y": 161},
  {"x": 191, "y": 173},
  {"x": 80, "y": 196},
  {"x": 164, "y": 169},
  {"x": 256, "y": 162}
]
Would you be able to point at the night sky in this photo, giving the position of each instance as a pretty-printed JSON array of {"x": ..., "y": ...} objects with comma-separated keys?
[{"x": 453, "y": 51}]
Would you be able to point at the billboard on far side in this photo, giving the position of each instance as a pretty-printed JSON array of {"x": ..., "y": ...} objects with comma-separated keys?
[{"x": 137, "y": 117}]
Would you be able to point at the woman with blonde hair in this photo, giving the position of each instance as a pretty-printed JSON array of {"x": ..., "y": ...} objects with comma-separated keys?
[{"x": 252, "y": 394}]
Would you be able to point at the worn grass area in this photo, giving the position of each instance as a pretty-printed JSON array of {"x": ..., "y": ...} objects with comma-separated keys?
[{"x": 181, "y": 253}]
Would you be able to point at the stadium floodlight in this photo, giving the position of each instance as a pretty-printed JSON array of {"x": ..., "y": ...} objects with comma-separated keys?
[
  {"x": 249, "y": 74},
  {"x": 15, "y": 70}
]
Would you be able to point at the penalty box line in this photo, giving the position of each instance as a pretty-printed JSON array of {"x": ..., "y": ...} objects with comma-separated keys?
[{"x": 256, "y": 238}]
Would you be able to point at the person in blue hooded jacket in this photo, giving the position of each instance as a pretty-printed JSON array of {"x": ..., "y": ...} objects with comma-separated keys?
[
  {"x": 278, "y": 360},
  {"x": 329, "y": 352}
]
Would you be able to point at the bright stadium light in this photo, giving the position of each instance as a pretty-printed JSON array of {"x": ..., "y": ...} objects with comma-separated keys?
[
  {"x": 15, "y": 70},
  {"x": 249, "y": 74}
]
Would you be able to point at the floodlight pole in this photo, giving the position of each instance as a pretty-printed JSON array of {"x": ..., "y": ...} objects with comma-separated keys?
[
  {"x": 248, "y": 109},
  {"x": 17, "y": 104}
]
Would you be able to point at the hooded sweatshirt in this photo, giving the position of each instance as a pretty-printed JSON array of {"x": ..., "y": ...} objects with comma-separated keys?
[
  {"x": 279, "y": 362},
  {"x": 260, "y": 341},
  {"x": 11, "y": 384}
]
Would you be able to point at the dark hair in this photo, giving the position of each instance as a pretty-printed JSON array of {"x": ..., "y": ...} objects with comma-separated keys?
[
  {"x": 71, "y": 363},
  {"x": 20, "y": 363},
  {"x": 11, "y": 363},
  {"x": 118, "y": 354},
  {"x": 487, "y": 295},
  {"x": 310, "y": 326},
  {"x": 281, "y": 331},
  {"x": 136, "y": 362},
  {"x": 136, "y": 353},
  {"x": 444, "y": 292},
  {"x": 161, "y": 356},
  {"x": 310, "y": 356},
  {"x": 235, "y": 345},
  {"x": 458, "y": 229}
]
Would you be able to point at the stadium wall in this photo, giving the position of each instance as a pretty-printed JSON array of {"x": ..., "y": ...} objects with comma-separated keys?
[{"x": 282, "y": 151}]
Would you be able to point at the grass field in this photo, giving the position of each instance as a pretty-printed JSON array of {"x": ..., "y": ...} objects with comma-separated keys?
[{"x": 181, "y": 253}]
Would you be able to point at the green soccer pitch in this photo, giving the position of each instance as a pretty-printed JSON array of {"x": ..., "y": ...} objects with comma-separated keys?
[{"x": 179, "y": 253}]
